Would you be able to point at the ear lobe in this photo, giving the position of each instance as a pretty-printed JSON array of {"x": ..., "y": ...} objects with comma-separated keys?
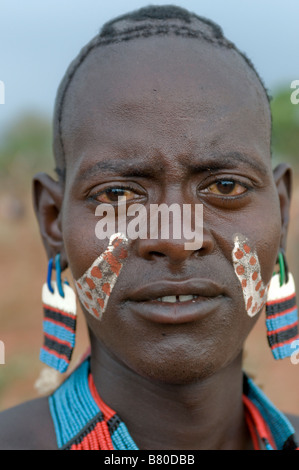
[
  {"x": 283, "y": 177},
  {"x": 47, "y": 200}
]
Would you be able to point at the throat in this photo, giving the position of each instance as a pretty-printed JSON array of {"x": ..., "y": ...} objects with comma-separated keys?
[{"x": 207, "y": 414}]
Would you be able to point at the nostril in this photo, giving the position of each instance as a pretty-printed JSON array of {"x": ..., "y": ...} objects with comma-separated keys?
[{"x": 157, "y": 254}]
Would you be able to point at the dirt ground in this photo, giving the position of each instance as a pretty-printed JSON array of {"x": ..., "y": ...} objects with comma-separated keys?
[{"x": 23, "y": 268}]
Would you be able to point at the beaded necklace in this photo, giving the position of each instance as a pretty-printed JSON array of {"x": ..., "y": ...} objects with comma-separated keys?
[{"x": 83, "y": 421}]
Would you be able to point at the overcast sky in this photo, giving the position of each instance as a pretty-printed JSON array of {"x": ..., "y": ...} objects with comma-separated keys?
[{"x": 38, "y": 39}]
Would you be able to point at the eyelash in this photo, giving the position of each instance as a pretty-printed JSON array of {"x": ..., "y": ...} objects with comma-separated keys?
[{"x": 109, "y": 188}]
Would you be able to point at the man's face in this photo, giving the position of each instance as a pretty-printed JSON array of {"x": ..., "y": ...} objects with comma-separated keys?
[{"x": 171, "y": 121}]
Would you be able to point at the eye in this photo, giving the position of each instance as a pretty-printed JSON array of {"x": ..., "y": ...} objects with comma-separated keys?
[
  {"x": 115, "y": 195},
  {"x": 226, "y": 188}
]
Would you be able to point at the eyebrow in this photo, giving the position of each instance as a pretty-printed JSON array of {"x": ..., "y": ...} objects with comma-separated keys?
[
  {"x": 120, "y": 167},
  {"x": 228, "y": 161},
  {"x": 129, "y": 169}
]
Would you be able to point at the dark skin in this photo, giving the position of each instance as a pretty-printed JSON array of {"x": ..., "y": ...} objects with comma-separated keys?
[{"x": 169, "y": 136}]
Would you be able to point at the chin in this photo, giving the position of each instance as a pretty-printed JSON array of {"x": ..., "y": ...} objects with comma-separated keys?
[{"x": 177, "y": 370}]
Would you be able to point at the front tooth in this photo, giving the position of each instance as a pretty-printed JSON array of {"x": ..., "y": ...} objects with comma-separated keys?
[
  {"x": 184, "y": 298},
  {"x": 169, "y": 298}
]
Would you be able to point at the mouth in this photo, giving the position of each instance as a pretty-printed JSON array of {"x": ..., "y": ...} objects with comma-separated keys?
[
  {"x": 171, "y": 299},
  {"x": 176, "y": 302}
]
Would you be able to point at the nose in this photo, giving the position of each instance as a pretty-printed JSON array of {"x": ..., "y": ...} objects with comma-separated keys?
[
  {"x": 173, "y": 250},
  {"x": 174, "y": 231}
]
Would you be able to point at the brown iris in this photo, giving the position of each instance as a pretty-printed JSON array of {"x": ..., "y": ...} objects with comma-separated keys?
[
  {"x": 115, "y": 195},
  {"x": 226, "y": 187}
]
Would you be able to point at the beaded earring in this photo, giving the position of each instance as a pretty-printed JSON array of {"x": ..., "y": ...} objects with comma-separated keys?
[
  {"x": 281, "y": 311},
  {"x": 59, "y": 324}
]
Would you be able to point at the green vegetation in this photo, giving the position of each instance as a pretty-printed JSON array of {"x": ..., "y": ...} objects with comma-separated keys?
[{"x": 26, "y": 148}]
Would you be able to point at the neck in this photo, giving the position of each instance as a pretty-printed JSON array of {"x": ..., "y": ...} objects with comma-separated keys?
[{"x": 207, "y": 414}]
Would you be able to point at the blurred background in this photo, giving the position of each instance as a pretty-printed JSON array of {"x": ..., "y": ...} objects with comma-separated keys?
[{"x": 37, "y": 42}]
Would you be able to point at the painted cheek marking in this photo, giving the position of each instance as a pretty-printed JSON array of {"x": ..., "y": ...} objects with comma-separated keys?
[
  {"x": 248, "y": 271},
  {"x": 95, "y": 286}
]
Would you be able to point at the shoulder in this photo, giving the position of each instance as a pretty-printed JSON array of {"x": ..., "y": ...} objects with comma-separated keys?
[{"x": 28, "y": 426}]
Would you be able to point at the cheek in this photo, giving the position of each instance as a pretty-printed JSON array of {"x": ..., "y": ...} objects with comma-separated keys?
[
  {"x": 80, "y": 242},
  {"x": 95, "y": 286},
  {"x": 248, "y": 271}
]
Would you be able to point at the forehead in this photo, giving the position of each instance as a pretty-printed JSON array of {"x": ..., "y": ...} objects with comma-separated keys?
[{"x": 153, "y": 92}]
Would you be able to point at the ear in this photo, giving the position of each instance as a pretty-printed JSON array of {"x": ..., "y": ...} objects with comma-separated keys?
[
  {"x": 47, "y": 200},
  {"x": 283, "y": 177}
]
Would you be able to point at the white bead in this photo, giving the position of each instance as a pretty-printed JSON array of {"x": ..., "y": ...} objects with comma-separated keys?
[
  {"x": 277, "y": 292},
  {"x": 66, "y": 304}
]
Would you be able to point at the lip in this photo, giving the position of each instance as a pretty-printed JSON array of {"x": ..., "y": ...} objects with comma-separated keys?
[
  {"x": 196, "y": 286},
  {"x": 143, "y": 301}
]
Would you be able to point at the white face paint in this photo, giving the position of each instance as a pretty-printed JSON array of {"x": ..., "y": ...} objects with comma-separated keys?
[
  {"x": 95, "y": 286},
  {"x": 248, "y": 271}
]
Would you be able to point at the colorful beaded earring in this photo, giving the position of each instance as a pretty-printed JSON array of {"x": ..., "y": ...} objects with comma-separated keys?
[
  {"x": 281, "y": 311},
  {"x": 59, "y": 325}
]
